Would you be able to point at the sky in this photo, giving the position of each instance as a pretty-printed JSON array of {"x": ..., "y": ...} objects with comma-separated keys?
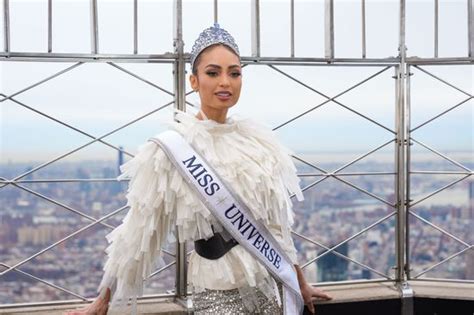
[{"x": 97, "y": 97}]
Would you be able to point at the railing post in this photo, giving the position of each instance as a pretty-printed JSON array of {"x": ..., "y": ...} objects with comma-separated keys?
[
  {"x": 135, "y": 27},
  {"x": 94, "y": 27},
  {"x": 216, "y": 12},
  {"x": 436, "y": 19},
  {"x": 364, "y": 41},
  {"x": 179, "y": 69},
  {"x": 402, "y": 149},
  {"x": 6, "y": 25},
  {"x": 50, "y": 26},
  {"x": 408, "y": 144},
  {"x": 329, "y": 29},
  {"x": 292, "y": 28},
  {"x": 470, "y": 27},
  {"x": 255, "y": 27}
]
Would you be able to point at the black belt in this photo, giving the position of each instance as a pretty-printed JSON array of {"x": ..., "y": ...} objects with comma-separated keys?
[{"x": 214, "y": 247}]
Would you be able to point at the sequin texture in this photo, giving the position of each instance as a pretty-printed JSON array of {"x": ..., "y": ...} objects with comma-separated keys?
[{"x": 227, "y": 302}]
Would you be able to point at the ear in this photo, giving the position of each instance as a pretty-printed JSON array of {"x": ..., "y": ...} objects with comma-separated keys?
[{"x": 194, "y": 82}]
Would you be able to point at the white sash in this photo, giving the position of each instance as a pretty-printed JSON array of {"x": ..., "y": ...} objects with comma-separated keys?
[{"x": 233, "y": 214}]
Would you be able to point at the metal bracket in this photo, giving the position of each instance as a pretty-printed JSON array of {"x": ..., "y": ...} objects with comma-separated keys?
[
  {"x": 406, "y": 296},
  {"x": 187, "y": 303}
]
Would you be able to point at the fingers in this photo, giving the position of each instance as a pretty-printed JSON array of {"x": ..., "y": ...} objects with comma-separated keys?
[
  {"x": 321, "y": 294},
  {"x": 324, "y": 296},
  {"x": 311, "y": 307}
]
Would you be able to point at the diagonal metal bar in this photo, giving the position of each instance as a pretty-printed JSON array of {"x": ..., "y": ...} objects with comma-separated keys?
[
  {"x": 365, "y": 191},
  {"x": 43, "y": 81},
  {"x": 347, "y": 164},
  {"x": 330, "y": 250},
  {"x": 66, "y": 125},
  {"x": 166, "y": 266},
  {"x": 332, "y": 174},
  {"x": 162, "y": 269},
  {"x": 311, "y": 185},
  {"x": 443, "y": 261},
  {"x": 113, "y": 64},
  {"x": 444, "y": 81},
  {"x": 341, "y": 256},
  {"x": 438, "y": 190},
  {"x": 440, "y": 229},
  {"x": 327, "y": 175},
  {"x": 364, "y": 155},
  {"x": 45, "y": 282},
  {"x": 90, "y": 142},
  {"x": 331, "y": 98},
  {"x": 73, "y": 210},
  {"x": 441, "y": 114},
  {"x": 88, "y": 226},
  {"x": 53, "y": 201},
  {"x": 145, "y": 80},
  {"x": 441, "y": 155},
  {"x": 308, "y": 163}
]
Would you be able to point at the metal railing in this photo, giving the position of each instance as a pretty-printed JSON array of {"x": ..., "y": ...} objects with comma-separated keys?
[{"x": 400, "y": 136}]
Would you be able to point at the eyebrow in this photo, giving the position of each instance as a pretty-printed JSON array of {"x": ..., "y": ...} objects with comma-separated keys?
[{"x": 217, "y": 66}]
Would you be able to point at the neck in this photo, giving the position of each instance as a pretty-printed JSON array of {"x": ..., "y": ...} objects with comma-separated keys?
[{"x": 219, "y": 115}]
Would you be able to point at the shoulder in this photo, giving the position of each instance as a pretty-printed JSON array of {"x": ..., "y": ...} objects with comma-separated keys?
[{"x": 264, "y": 134}]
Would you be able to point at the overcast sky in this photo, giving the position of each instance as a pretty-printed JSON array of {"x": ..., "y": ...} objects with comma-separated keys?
[{"x": 97, "y": 97}]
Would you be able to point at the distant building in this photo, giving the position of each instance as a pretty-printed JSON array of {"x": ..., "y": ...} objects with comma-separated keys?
[
  {"x": 84, "y": 186},
  {"x": 470, "y": 214},
  {"x": 120, "y": 159},
  {"x": 113, "y": 187},
  {"x": 332, "y": 267},
  {"x": 40, "y": 235}
]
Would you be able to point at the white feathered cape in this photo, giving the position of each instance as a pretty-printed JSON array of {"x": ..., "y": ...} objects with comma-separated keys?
[{"x": 249, "y": 157}]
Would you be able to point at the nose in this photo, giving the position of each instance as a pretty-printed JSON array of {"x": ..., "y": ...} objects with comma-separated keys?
[{"x": 224, "y": 80}]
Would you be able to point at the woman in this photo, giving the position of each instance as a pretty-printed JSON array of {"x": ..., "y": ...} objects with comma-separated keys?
[{"x": 249, "y": 158}]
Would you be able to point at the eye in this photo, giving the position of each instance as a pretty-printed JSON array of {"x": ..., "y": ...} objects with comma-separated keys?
[
  {"x": 235, "y": 74},
  {"x": 211, "y": 73}
]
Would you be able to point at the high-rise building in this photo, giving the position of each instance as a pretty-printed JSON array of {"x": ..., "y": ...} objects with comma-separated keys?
[
  {"x": 470, "y": 215},
  {"x": 332, "y": 267},
  {"x": 120, "y": 159}
]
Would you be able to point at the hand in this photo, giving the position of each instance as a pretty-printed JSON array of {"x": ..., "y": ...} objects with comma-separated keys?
[
  {"x": 91, "y": 309},
  {"x": 98, "y": 307},
  {"x": 311, "y": 294}
]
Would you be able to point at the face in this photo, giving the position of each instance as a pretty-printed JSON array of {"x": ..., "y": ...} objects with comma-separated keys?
[{"x": 218, "y": 79}]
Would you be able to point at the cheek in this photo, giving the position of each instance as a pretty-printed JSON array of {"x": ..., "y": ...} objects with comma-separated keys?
[
  {"x": 238, "y": 85},
  {"x": 207, "y": 86}
]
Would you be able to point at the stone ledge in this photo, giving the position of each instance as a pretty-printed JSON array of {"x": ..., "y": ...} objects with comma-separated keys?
[
  {"x": 341, "y": 293},
  {"x": 145, "y": 307},
  {"x": 346, "y": 293}
]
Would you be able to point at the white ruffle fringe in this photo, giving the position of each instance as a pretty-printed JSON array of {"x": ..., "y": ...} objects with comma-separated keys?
[{"x": 250, "y": 158}]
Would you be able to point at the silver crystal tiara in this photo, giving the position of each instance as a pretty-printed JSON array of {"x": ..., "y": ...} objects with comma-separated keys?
[{"x": 210, "y": 36}]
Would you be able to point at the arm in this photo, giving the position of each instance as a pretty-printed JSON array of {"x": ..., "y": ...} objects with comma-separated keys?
[
  {"x": 309, "y": 293},
  {"x": 135, "y": 246}
]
